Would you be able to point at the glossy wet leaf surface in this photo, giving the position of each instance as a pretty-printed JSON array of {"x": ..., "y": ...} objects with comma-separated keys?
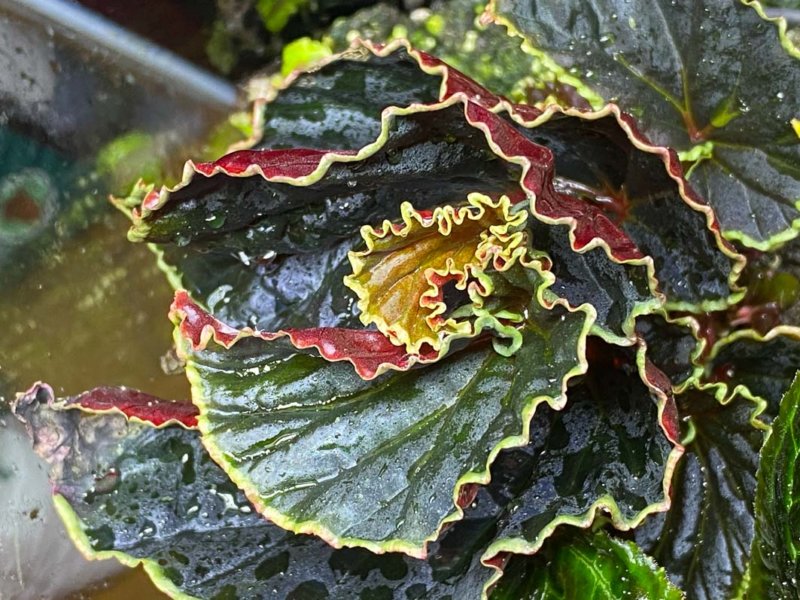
[
  {"x": 236, "y": 239},
  {"x": 616, "y": 291},
  {"x": 373, "y": 462},
  {"x": 154, "y": 495},
  {"x": 435, "y": 156},
  {"x": 582, "y": 565},
  {"x": 255, "y": 251},
  {"x": 606, "y": 447},
  {"x": 339, "y": 106},
  {"x": 267, "y": 265},
  {"x": 775, "y": 569},
  {"x": 757, "y": 366},
  {"x": 296, "y": 290},
  {"x": 672, "y": 346},
  {"x": 260, "y": 237},
  {"x": 603, "y": 175},
  {"x": 704, "y": 540},
  {"x": 691, "y": 73}
]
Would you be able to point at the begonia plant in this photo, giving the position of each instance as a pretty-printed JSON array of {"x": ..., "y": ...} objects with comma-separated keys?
[{"x": 444, "y": 344}]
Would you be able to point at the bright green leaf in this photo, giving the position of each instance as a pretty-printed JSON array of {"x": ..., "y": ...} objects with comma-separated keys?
[
  {"x": 580, "y": 565},
  {"x": 775, "y": 567}
]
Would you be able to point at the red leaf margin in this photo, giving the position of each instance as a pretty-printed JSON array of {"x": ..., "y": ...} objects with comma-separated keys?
[
  {"x": 303, "y": 166},
  {"x": 370, "y": 352},
  {"x": 133, "y": 404},
  {"x": 589, "y": 226}
]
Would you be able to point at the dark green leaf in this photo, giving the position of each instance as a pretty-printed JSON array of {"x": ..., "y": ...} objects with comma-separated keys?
[
  {"x": 228, "y": 212},
  {"x": 773, "y": 289},
  {"x": 759, "y": 367},
  {"x": 375, "y": 463},
  {"x": 602, "y": 167},
  {"x": 287, "y": 268},
  {"x": 704, "y": 540},
  {"x": 579, "y": 565},
  {"x": 154, "y": 496},
  {"x": 300, "y": 290},
  {"x": 338, "y": 107},
  {"x": 432, "y": 154},
  {"x": 775, "y": 569},
  {"x": 706, "y": 77},
  {"x": 607, "y": 448},
  {"x": 618, "y": 292},
  {"x": 230, "y": 240},
  {"x": 671, "y": 344}
]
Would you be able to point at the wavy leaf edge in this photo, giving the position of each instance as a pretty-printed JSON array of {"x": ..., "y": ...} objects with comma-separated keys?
[
  {"x": 659, "y": 386},
  {"x": 72, "y": 522},
  {"x": 135, "y": 406},
  {"x": 701, "y": 347},
  {"x": 723, "y": 391},
  {"x": 491, "y": 15},
  {"x": 481, "y": 108},
  {"x": 212, "y": 329},
  {"x": 500, "y": 246}
]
